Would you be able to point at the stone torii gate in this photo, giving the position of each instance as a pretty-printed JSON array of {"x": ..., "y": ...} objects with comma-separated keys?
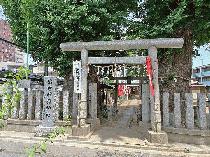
[{"x": 156, "y": 135}]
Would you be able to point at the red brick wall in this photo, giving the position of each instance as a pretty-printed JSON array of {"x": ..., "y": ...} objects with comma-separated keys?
[
  {"x": 7, "y": 50},
  {"x": 5, "y": 31}
]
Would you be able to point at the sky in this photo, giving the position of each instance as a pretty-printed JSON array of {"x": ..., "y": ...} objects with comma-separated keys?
[
  {"x": 204, "y": 57},
  {"x": 1, "y": 13},
  {"x": 30, "y": 59}
]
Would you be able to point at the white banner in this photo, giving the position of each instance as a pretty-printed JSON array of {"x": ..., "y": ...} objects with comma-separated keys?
[{"x": 77, "y": 74}]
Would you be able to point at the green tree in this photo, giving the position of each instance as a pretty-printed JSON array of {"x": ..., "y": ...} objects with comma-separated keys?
[
  {"x": 52, "y": 22},
  {"x": 188, "y": 19}
]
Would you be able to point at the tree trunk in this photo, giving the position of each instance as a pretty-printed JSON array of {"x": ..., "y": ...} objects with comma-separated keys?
[{"x": 176, "y": 69}]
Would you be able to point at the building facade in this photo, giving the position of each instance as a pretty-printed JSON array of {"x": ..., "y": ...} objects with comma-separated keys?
[
  {"x": 10, "y": 54},
  {"x": 202, "y": 75}
]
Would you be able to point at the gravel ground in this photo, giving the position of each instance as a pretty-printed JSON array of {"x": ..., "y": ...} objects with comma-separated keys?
[
  {"x": 86, "y": 153},
  {"x": 13, "y": 144}
]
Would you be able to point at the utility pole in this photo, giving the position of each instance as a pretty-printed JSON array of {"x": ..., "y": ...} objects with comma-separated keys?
[
  {"x": 27, "y": 49},
  {"x": 201, "y": 71}
]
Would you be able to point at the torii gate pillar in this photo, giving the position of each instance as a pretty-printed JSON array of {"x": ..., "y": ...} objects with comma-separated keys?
[
  {"x": 156, "y": 135},
  {"x": 82, "y": 128}
]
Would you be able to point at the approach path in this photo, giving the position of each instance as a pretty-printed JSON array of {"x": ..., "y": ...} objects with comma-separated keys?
[{"x": 124, "y": 128}]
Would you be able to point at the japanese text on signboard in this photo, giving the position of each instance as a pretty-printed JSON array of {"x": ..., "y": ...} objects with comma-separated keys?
[{"x": 77, "y": 76}]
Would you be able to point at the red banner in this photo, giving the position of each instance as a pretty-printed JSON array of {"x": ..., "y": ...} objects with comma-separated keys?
[
  {"x": 120, "y": 90},
  {"x": 150, "y": 74}
]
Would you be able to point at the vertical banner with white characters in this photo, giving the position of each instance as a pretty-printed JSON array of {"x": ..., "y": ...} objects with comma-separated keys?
[{"x": 77, "y": 74}]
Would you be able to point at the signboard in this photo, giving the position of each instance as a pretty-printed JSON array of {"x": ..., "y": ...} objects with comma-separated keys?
[{"x": 77, "y": 74}]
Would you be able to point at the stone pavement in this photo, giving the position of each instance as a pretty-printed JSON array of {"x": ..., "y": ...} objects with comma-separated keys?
[
  {"x": 124, "y": 128},
  {"x": 126, "y": 118}
]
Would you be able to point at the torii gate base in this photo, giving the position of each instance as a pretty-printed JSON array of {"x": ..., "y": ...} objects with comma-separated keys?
[
  {"x": 86, "y": 130},
  {"x": 82, "y": 131},
  {"x": 156, "y": 135}
]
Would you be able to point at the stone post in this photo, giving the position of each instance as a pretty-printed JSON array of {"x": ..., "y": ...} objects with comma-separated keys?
[
  {"x": 22, "y": 111},
  {"x": 39, "y": 104},
  {"x": 166, "y": 109},
  {"x": 202, "y": 110},
  {"x": 177, "y": 110},
  {"x": 95, "y": 122},
  {"x": 145, "y": 103},
  {"x": 15, "y": 111},
  {"x": 75, "y": 108},
  {"x": 47, "y": 125},
  {"x": 93, "y": 95},
  {"x": 114, "y": 108},
  {"x": 65, "y": 105},
  {"x": 24, "y": 85},
  {"x": 83, "y": 103},
  {"x": 155, "y": 110},
  {"x": 30, "y": 104},
  {"x": 189, "y": 110}
]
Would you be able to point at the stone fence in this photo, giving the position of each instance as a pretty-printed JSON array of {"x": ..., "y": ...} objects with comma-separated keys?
[
  {"x": 188, "y": 120},
  {"x": 48, "y": 104},
  {"x": 187, "y": 113},
  {"x": 30, "y": 106}
]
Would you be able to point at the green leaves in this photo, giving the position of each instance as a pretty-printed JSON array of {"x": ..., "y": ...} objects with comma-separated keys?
[
  {"x": 42, "y": 146},
  {"x": 163, "y": 19},
  {"x": 10, "y": 92},
  {"x": 31, "y": 152},
  {"x": 2, "y": 122},
  {"x": 53, "y": 22},
  {"x": 22, "y": 73},
  {"x": 37, "y": 149}
]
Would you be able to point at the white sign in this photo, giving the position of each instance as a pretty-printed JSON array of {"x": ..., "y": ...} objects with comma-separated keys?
[{"x": 77, "y": 74}]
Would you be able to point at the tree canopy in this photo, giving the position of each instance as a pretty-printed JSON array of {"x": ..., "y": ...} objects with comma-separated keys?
[
  {"x": 167, "y": 17},
  {"x": 188, "y": 19},
  {"x": 52, "y": 22}
]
